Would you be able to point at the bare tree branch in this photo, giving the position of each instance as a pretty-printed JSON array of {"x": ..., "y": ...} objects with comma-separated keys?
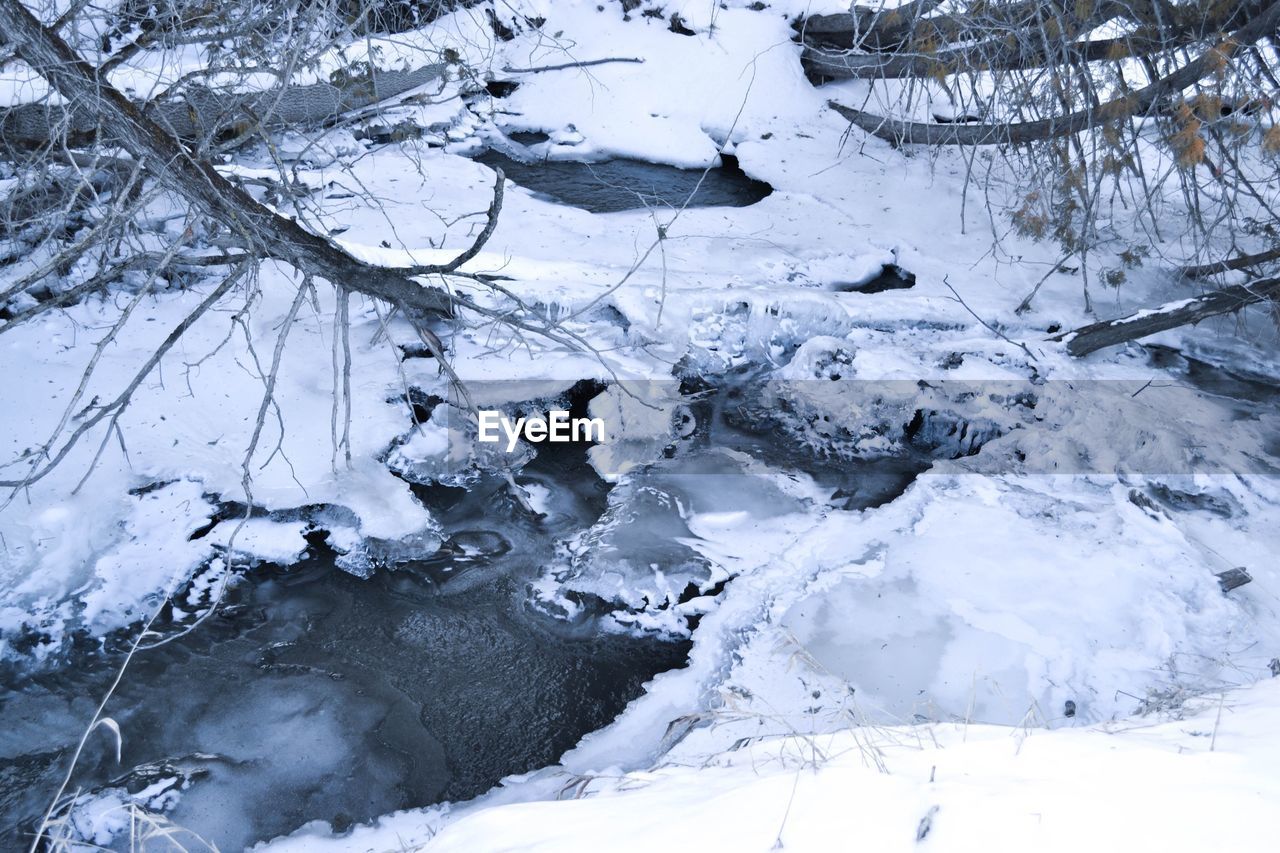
[
  {"x": 115, "y": 407},
  {"x": 1139, "y": 102},
  {"x": 174, "y": 167},
  {"x": 201, "y": 112},
  {"x": 1240, "y": 262}
]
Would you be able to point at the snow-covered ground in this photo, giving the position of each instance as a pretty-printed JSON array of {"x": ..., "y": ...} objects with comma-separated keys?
[
  {"x": 955, "y": 668},
  {"x": 1204, "y": 780}
]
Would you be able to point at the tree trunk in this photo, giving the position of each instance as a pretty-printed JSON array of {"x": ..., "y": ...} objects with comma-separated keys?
[
  {"x": 166, "y": 160},
  {"x": 887, "y": 30},
  {"x": 994, "y": 55},
  {"x": 201, "y": 113},
  {"x": 882, "y": 29},
  {"x": 1093, "y": 337}
]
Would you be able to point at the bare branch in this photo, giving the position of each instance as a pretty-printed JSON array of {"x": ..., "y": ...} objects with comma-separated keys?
[
  {"x": 1137, "y": 103},
  {"x": 585, "y": 64},
  {"x": 175, "y": 168}
]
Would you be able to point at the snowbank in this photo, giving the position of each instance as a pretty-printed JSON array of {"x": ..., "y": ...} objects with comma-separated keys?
[{"x": 1203, "y": 781}]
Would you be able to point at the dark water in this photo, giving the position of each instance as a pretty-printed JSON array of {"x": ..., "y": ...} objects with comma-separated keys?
[
  {"x": 317, "y": 695},
  {"x": 632, "y": 184},
  {"x": 313, "y": 694},
  {"x": 891, "y": 277},
  {"x": 1239, "y": 387}
]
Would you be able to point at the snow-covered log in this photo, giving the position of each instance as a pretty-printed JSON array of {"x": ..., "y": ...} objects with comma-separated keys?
[
  {"x": 996, "y": 55},
  {"x": 912, "y": 26},
  {"x": 202, "y": 113},
  {"x": 1171, "y": 315}
]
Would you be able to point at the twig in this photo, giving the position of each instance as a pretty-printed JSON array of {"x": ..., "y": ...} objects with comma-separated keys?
[
  {"x": 509, "y": 70},
  {"x": 491, "y": 222},
  {"x": 990, "y": 327}
]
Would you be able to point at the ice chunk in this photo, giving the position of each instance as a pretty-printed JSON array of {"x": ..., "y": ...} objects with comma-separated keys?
[
  {"x": 446, "y": 450},
  {"x": 648, "y": 548},
  {"x": 371, "y": 554},
  {"x": 640, "y": 418}
]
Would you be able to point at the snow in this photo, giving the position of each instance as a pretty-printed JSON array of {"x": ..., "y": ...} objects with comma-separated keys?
[
  {"x": 727, "y": 85},
  {"x": 1167, "y": 308},
  {"x": 113, "y": 551},
  {"x": 1094, "y": 598},
  {"x": 1204, "y": 780},
  {"x": 119, "y": 566},
  {"x": 262, "y": 539},
  {"x": 996, "y": 589}
]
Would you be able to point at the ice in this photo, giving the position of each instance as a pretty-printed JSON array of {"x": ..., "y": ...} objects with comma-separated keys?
[
  {"x": 636, "y": 556},
  {"x": 652, "y": 543},
  {"x": 539, "y": 497},
  {"x": 975, "y": 614},
  {"x": 642, "y": 420},
  {"x": 953, "y": 600},
  {"x": 369, "y": 554},
  {"x": 445, "y": 450},
  {"x": 144, "y": 557}
]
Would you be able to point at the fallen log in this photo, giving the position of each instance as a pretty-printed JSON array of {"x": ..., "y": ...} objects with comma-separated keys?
[
  {"x": 263, "y": 231},
  {"x": 200, "y": 113},
  {"x": 911, "y": 25},
  {"x": 993, "y": 55},
  {"x": 866, "y": 27},
  {"x": 1137, "y": 103},
  {"x": 1171, "y": 315}
]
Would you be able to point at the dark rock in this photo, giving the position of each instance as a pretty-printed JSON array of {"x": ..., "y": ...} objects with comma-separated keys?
[{"x": 1233, "y": 578}]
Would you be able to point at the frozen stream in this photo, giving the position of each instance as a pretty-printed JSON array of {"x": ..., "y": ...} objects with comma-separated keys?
[{"x": 315, "y": 695}]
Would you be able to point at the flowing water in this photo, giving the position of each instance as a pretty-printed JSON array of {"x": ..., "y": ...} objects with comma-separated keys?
[
  {"x": 313, "y": 694},
  {"x": 316, "y": 695},
  {"x": 631, "y": 184}
]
